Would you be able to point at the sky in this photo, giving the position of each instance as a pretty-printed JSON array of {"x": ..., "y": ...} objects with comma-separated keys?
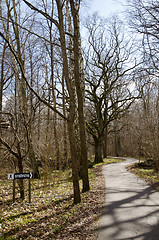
[{"x": 106, "y": 7}]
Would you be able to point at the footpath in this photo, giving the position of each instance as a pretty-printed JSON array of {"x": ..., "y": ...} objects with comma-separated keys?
[{"x": 131, "y": 209}]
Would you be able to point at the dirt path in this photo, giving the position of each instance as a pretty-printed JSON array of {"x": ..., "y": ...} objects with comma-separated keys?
[{"x": 131, "y": 209}]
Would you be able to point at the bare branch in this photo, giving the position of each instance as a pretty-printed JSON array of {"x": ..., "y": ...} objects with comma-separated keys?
[
  {"x": 43, "y": 13},
  {"x": 9, "y": 148},
  {"x": 23, "y": 74}
]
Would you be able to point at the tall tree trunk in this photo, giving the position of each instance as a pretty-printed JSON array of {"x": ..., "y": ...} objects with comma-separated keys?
[
  {"x": 6, "y": 27},
  {"x": 1, "y": 87},
  {"x": 58, "y": 159},
  {"x": 74, "y": 158},
  {"x": 65, "y": 151},
  {"x": 78, "y": 82},
  {"x": 71, "y": 117},
  {"x": 48, "y": 137},
  {"x": 20, "y": 168}
]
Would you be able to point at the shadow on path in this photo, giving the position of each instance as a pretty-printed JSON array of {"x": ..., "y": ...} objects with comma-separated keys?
[{"x": 131, "y": 210}]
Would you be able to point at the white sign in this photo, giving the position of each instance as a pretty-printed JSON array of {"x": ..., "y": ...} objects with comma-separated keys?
[{"x": 10, "y": 176}]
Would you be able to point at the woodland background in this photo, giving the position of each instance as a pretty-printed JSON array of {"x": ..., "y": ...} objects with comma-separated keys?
[{"x": 67, "y": 97}]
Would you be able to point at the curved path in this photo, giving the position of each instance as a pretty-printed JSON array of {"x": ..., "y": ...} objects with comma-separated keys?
[{"x": 131, "y": 209}]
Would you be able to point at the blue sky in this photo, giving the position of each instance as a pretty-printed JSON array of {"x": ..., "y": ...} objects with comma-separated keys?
[{"x": 107, "y": 7}]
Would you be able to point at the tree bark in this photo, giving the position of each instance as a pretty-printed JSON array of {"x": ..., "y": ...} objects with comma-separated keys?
[
  {"x": 20, "y": 168},
  {"x": 98, "y": 150},
  {"x": 78, "y": 82},
  {"x": 65, "y": 149},
  {"x": 75, "y": 164},
  {"x": 71, "y": 117},
  {"x": 1, "y": 87}
]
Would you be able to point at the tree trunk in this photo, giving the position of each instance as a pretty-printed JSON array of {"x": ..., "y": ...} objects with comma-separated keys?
[
  {"x": 78, "y": 82},
  {"x": 98, "y": 150},
  {"x": 32, "y": 158},
  {"x": 65, "y": 149},
  {"x": 105, "y": 143},
  {"x": 71, "y": 117},
  {"x": 74, "y": 158},
  {"x": 20, "y": 181},
  {"x": 1, "y": 87},
  {"x": 117, "y": 145}
]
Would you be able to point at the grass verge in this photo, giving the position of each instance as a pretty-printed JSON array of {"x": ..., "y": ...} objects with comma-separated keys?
[{"x": 147, "y": 173}]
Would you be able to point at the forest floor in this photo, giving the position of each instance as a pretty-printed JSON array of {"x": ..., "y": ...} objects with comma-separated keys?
[{"x": 51, "y": 213}]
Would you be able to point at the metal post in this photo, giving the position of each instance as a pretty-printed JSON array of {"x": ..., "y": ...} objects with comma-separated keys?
[
  {"x": 29, "y": 190},
  {"x": 13, "y": 190}
]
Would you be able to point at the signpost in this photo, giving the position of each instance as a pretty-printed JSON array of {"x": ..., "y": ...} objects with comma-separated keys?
[{"x": 14, "y": 176}]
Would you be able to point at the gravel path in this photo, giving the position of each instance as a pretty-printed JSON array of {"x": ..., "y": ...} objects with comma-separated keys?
[{"x": 131, "y": 209}]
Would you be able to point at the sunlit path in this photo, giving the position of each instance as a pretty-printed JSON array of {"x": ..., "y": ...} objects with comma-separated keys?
[{"x": 131, "y": 209}]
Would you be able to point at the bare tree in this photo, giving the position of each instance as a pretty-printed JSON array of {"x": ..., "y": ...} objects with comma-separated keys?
[
  {"x": 14, "y": 31},
  {"x": 143, "y": 18},
  {"x": 110, "y": 67},
  {"x": 59, "y": 25}
]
